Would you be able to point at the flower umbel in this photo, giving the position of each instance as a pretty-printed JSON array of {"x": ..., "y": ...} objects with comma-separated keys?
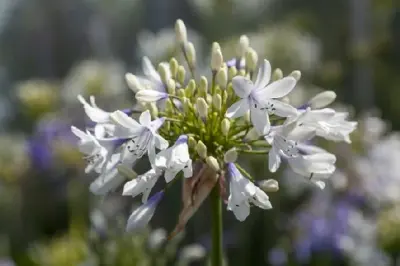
[{"x": 211, "y": 122}]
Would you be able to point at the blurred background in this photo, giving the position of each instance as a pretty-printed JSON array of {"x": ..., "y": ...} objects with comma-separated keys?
[{"x": 52, "y": 50}]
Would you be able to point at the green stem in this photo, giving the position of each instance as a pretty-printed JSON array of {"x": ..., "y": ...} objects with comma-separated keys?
[
  {"x": 254, "y": 151},
  {"x": 216, "y": 252}
]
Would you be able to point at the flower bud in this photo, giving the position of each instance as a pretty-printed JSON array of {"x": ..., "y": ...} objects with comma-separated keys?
[
  {"x": 171, "y": 86},
  {"x": 126, "y": 171},
  {"x": 247, "y": 117},
  {"x": 191, "y": 54},
  {"x": 181, "y": 93},
  {"x": 217, "y": 101},
  {"x": 152, "y": 107},
  {"x": 277, "y": 75},
  {"x": 243, "y": 45},
  {"x": 216, "y": 57},
  {"x": 270, "y": 185},
  {"x": 133, "y": 82},
  {"x": 222, "y": 77},
  {"x": 225, "y": 126},
  {"x": 208, "y": 99},
  {"x": 186, "y": 104},
  {"x": 180, "y": 31},
  {"x": 232, "y": 72},
  {"x": 322, "y": 99},
  {"x": 164, "y": 72},
  {"x": 202, "y": 107},
  {"x": 231, "y": 156},
  {"x": 191, "y": 87},
  {"x": 180, "y": 76},
  {"x": 213, "y": 163},
  {"x": 251, "y": 59},
  {"x": 192, "y": 142},
  {"x": 201, "y": 149},
  {"x": 203, "y": 86},
  {"x": 242, "y": 72},
  {"x": 168, "y": 105},
  {"x": 296, "y": 74},
  {"x": 173, "y": 66}
]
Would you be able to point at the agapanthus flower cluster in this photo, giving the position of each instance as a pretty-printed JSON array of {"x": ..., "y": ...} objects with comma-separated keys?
[{"x": 195, "y": 128}]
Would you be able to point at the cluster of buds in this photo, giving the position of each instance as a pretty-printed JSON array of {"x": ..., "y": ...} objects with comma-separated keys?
[{"x": 209, "y": 122}]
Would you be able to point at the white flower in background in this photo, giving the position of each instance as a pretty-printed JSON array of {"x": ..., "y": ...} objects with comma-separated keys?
[
  {"x": 98, "y": 151},
  {"x": 140, "y": 217},
  {"x": 142, "y": 184},
  {"x": 260, "y": 98},
  {"x": 175, "y": 159},
  {"x": 242, "y": 193},
  {"x": 143, "y": 136},
  {"x": 191, "y": 253}
]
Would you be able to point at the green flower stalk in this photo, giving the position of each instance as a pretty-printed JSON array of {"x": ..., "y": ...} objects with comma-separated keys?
[{"x": 210, "y": 122}]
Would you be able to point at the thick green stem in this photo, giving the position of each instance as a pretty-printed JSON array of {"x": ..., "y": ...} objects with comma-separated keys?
[{"x": 216, "y": 252}]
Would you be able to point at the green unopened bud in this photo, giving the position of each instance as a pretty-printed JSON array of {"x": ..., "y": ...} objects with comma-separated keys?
[
  {"x": 231, "y": 156},
  {"x": 191, "y": 87},
  {"x": 203, "y": 86},
  {"x": 191, "y": 54},
  {"x": 216, "y": 57},
  {"x": 186, "y": 104},
  {"x": 209, "y": 99},
  {"x": 181, "y": 93},
  {"x": 168, "y": 105},
  {"x": 222, "y": 77},
  {"x": 247, "y": 117},
  {"x": 173, "y": 66},
  {"x": 232, "y": 72},
  {"x": 322, "y": 99},
  {"x": 202, "y": 107},
  {"x": 201, "y": 149},
  {"x": 242, "y": 72},
  {"x": 180, "y": 76},
  {"x": 133, "y": 82},
  {"x": 251, "y": 59},
  {"x": 243, "y": 45},
  {"x": 192, "y": 143},
  {"x": 225, "y": 126},
  {"x": 277, "y": 75},
  {"x": 217, "y": 101},
  {"x": 171, "y": 86},
  {"x": 163, "y": 71},
  {"x": 213, "y": 163},
  {"x": 296, "y": 74},
  {"x": 152, "y": 107},
  {"x": 180, "y": 31},
  {"x": 270, "y": 185}
]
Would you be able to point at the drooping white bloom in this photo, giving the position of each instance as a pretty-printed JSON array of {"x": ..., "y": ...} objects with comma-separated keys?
[
  {"x": 102, "y": 118},
  {"x": 261, "y": 98},
  {"x": 327, "y": 123},
  {"x": 142, "y": 184},
  {"x": 175, "y": 159},
  {"x": 143, "y": 137},
  {"x": 242, "y": 193},
  {"x": 287, "y": 142},
  {"x": 141, "y": 216},
  {"x": 98, "y": 151}
]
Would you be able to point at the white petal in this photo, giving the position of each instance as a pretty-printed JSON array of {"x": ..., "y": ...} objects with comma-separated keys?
[
  {"x": 170, "y": 174},
  {"x": 320, "y": 184},
  {"x": 264, "y": 75},
  {"x": 134, "y": 187},
  {"x": 310, "y": 116},
  {"x": 99, "y": 131},
  {"x": 188, "y": 170},
  {"x": 161, "y": 159},
  {"x": 145, "y": 118},
  {"x": 160, "y": 142},
  {"x": 322, "y": 158},
  {"x": 310, "y": 149},
  {"x": 79, "y": 133},
  {"x": 150, "y": 96},
  {"x": 93, "y": 112},
  {"x": 241, "y": 211},
  {"x": 107, "y": 182},
  {"x": 238, "y": 109},
  {"x": 124, "y": 120},
  {"x": 242, "y": 86},
  {"x": 302, "y": 134},
  {"x": 283, "y": 109},
  {"x": 260, "y": 120},
  {"x": 261, "y": 200},
  {"x": 277, "y": 89},
  {"x": 149, "y": 70},
  {"x": 274, "y": 160}
]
